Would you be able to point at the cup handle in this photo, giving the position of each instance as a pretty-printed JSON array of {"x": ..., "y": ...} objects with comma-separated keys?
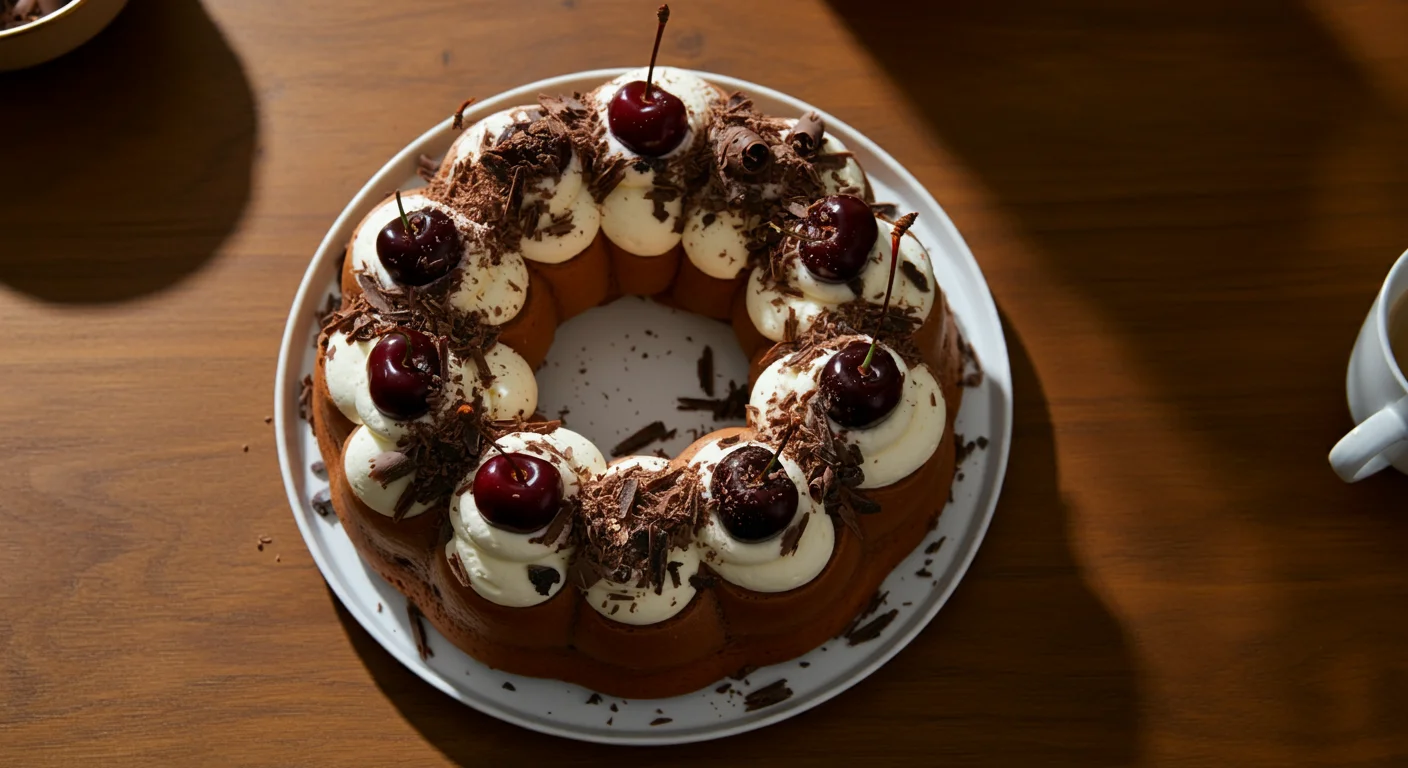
[{"x": 1353, "y": 456}]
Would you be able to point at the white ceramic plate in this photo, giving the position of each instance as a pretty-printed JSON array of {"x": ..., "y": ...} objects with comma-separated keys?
[{"x": 599, "y": 338}]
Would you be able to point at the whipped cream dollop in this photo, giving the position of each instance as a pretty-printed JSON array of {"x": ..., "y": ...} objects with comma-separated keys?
[
  {"x": 769, "y": 305},
  {"x": 630, "y": 604},
  {"x": 716, "y": 243},
  {"x": 569, "y": 219},
  {"x": 641, "y": 215},
  {"x": 892, "y": 449},
  {"x": 764, "y": 566},
  {"x": 511, "y": 393},
  {"x": 496, "y": 291},
  {"x": 345, "y": 370},
  {"x": 506, "y": 567}
]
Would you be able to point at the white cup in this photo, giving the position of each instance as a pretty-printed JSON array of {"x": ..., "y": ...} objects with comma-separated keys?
[{"x": 1378, "y": 393}]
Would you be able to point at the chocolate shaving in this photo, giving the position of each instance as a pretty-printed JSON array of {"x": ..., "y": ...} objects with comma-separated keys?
[
  {"x": 806, "y": 136},
  {"x": 770, "y": 694},
  {"x": 934, "y": 547},
  {"x": 457, "y": 569},
  {"x": 702, "y": 581},
  {"x": 915, "y": 276},
  {"x": 674, "y": 569},
  {"x": 705, "y": 369},
  {"x": 743, "y": 153},
  {"x": 458, "y": 122},
  {"x": 872, "y": 629},
  {"x": 390, "y": 466},
  {"x": 793, "y": 536},
  {"x": 418, "y": 632},
  {"x": 319, "y": 469},
  {"x": 724, "y": 442},
  {"x": 594, "y": 699},
  {"x": 305, "y": 399},
  {"x": 427, "y": 167},
  {"x": 650, "y": 433},
  {"x": 507, "y": 686},
  {"x": 662, "y": 720},
  {"x": 543, "y": 577},
  {"x": 322, "y": 502}
]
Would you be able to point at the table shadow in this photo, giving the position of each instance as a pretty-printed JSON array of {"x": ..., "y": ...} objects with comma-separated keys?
[
  {"x": 127, "y": 162},
  {"x": 990, "y": 682}
]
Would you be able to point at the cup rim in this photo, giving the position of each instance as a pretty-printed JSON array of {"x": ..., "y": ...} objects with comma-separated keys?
[{"x": 1394, "y": 287}]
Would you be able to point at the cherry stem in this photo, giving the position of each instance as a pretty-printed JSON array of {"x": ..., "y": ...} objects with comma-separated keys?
[
  {"x": 884, "y": 308},
  {"x": 663, "y": 14},
  {"x": 518, "y": 473},
  {"x": 405, "y": 222},
  {"x": 776, "y": 454},
  {"x": 796, "y": 234}
]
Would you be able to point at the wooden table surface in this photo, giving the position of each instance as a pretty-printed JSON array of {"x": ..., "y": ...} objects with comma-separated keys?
[{"x": 1183, "y": 207}]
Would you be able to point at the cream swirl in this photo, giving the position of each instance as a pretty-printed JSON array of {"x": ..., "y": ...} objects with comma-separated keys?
[
  {"x": 769, "y": 306},
  {"x": 641, "y": 215},
  {"x": 630, "y": 604},
  {"x": 496, "y": 291},
  {"x": 499, "y": 563},
  {"x": 569, "y": 218},
  {"x": 763, "y": 566},
  {"x": 345, "y": 370},
  {"x": 892, "y": 449}
]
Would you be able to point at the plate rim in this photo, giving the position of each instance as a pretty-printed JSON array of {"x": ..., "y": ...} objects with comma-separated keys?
[{"x": 285, "y": 409}]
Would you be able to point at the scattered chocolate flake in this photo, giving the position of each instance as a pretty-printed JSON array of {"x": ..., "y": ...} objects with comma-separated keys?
[
  {"x": 613, "y": 707},
  {"x": 871, "y": 630},
  {"x": 725, "y": 442},
  {"x": 702, "y": 581},
  {"x": 804, "y": 664},
  {"x": 770, "y": 694},
  {"x": 982, "y": 442},
  {"x": 278, "y": 558},
  {"x": 806, "y": 136},
  {"x": 457, "y": 568},
  {"x": 705, "y": 368},
  {"x": 418, "y": 632},
  {"x": 507, "y": 686},
  {"x": 914, "y": 276},
  {"x": 934, "y": 547},
  {"x": 390, "y": 466},
  {"x": 876, "y": 600},
  {"x": 245, "y": 448},
  {"x": 322, "y": 503},
  {"x": 724, "y": 688},
  {"x": 594, "y": 699},
  {"x": 741, "y": 153},
  {"x": 378, "y": 607},
  {"x": 305, "y": 399},
  {"x": 674, "y": 569},
  {"x": 609, "y": 719},
  {"x": 727, "y": 408},
  {"x": 661, "y": 720},
  {"x": 924, "y": 573},
  {"x": 963, "y": 449},
  {"x": 650, "y": 433},
  {"x": 268, "y": 419},
  {"x": 543, "y": 577},
  {"x": 319, "y": 469},
  {"x": 793, "y": 536}
]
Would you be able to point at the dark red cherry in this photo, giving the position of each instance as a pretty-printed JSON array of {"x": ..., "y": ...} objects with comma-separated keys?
[
  {"x": 517, "y": 492},
  {"x": 856, "y": 398},
  {"x": 401, "y": 371},
  {"x": 651, "y": 122},
  {"x": 846, "y": 231},
  {"x": 753, "y": 508},
  {"x": 420, "y": 247}
]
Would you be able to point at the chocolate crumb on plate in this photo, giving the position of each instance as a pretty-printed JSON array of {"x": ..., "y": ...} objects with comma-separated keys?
[
  {"x": 322, "y": 503},
  {"x": 924, "y": 573},
  {"x": 872, "y": 629},
  {"x": 418, "y": 632},
  {"x": 934, "y": 547},
  {"x": 705, "y": 369},
  {"x": 662, "y": 720},
  {"x": 509, "y": 686},
  {"x": 268, "y": 419},
  {"x": 876, "y": 600},
  {"x": 320, "y": 470},
  {"x": 653, "y": 432},
  {"x": 770, "y": 694},
  {"x": 613, "y": 707},
  {"x": 723, "y": 688},
  {"x": 595, "y": 698}
]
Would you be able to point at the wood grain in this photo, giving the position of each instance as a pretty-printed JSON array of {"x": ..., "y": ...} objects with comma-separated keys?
[{"x": 1183, "y": 208}]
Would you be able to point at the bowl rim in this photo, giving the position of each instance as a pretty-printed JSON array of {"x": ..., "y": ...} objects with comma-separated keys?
[{"x": 67, "y": 10}]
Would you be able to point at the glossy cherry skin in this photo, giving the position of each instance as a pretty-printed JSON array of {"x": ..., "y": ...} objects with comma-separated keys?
[
  {"x": 517, "y": 492},
  {"x": 847, "y": 230},
  {"x": 651, "y": 124},
  {"x": 422, "y": 254},
  {"x": 401, "y": 371},
  {"x": 855, "y": 399},
  {"x": 750, "y": 508}
]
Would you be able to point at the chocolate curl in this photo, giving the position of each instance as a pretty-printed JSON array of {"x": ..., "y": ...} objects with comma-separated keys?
[
  {"x": 805, "y": 137},
  {"x": 745, "y": 154},
  {"x": 459, "y": 114}
]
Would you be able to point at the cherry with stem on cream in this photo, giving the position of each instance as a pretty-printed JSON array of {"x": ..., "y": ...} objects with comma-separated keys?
[
  {"x": 858, "y": 387},
  {"x": 401, "y": 372},
  {"x": 645, "y": 117},
  {"x": 419, "y": 247},
  {"x": 837, "y": 235},
  {"x": 755, "y": 503},
  {"x": 517, "y": 492}
]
